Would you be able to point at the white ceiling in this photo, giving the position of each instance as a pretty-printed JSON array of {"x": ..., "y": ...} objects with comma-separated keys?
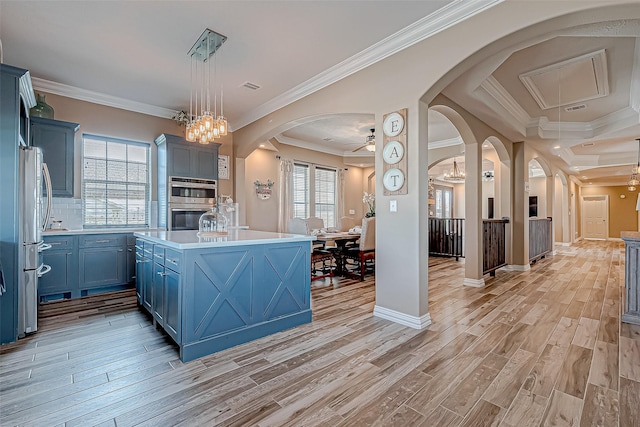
[
  {"x": 138, "y": 50},
  {"x": 134, "y": 55}
]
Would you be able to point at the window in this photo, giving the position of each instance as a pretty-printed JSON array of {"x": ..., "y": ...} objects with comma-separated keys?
[
  {"x": 300, "y": 191},
  {"x": 320, "y": 203},
  {"x": 115, "y": 182},
  {"x": 444, "y": 202}
]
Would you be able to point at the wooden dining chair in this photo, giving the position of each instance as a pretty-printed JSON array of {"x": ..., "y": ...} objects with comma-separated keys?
[{"x": 364, "y": 255}]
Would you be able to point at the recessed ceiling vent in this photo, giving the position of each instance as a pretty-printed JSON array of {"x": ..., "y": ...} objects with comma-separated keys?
[
  {"x": 588, "y": 144},
  {"x": 327, "y": 139},
  {"x": 576, "y": 107},
  {"x": 251, "y": 86},
  {"x": 569, "y": 82}
]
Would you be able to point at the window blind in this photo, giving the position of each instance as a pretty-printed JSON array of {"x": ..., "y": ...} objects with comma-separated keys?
[
  {"x": 301, "y": 207},
  {"x": 115, "y": 182},
  {"x": 325, "y": 195}
]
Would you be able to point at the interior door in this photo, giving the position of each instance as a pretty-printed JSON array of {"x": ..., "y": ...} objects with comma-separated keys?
[{"x": 594, "y": 217}]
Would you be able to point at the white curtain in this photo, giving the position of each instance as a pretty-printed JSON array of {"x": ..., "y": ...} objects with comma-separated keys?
[
  {"x": 285, "y": 209},
  {"x": 340, "y": 196}
]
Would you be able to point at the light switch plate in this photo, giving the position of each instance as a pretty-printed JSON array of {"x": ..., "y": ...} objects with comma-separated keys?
[
  {"x": 393, "y": 205},
  {"x": 352, "y": 211}
]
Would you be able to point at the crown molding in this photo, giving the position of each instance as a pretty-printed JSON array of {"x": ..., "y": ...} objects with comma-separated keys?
[
  {"x": 445, "y": 143},
  {"x": 100, "y": 98},
  {"x": 635, "y": 79},
  {"x": 494, "y": 89},
  {"x": 308, "y": 145},
  {"x": 443, "y": 18}
]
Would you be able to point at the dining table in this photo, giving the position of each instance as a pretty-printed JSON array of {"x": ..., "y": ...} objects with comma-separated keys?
[{"x": 341, "y": 239}]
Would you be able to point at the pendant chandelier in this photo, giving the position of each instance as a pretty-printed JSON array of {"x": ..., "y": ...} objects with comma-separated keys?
[
  {"x": 633, "y": 180},
  {"x": 456, "y": 175},
  {"x": 205, "y": 126}
]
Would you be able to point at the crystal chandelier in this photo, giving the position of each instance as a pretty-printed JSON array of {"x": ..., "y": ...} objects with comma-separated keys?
[
  {"x": 456, "y": 175},
  {"x": 633, "y": 180},
  {"x": 204, "y": 126}
]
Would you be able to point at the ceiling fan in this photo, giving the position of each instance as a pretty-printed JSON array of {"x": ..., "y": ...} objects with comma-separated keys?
[{"x": 371, "y": 142}]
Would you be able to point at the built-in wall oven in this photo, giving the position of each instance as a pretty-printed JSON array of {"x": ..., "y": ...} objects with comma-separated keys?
[{"x": 188, "y": 199}]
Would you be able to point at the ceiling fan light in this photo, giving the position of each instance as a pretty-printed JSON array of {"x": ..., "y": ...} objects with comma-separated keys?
[{"x": 371, "y": 147}]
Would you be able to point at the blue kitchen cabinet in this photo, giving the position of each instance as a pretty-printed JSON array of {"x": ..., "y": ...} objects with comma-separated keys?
[
  {"x": 62, "y": 280},
  {"x": 56, "y": 139},
  {"x": 102, "y": 261},
  {"x": 177, "y": 157},
  {"x": 131, "y": 259},
  {"x": 139, "y": 273},
  {"x": 158, "y": 284},
  {"x": 172, "y": 304},
  {"x": 146, "y": 281}
]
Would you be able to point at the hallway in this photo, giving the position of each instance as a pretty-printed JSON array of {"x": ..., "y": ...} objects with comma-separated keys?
[{"x": 542, "y": 346}]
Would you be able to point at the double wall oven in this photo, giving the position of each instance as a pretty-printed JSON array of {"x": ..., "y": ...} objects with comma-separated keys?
[{"x": 188, "y": 198}]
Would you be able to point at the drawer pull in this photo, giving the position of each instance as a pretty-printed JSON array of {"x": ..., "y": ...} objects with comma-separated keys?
[
  {"x": 130, "y": 250},
  {"x": 172, "y": 261},
  {"x": 160, "y": 273},
  {"x": 55, "y": 243},
  {"x": 157, "y": 256},
  {"x": 103, "y": 241}
]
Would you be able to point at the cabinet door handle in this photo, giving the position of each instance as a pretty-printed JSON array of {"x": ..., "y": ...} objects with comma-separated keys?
[
  {"x": 160, "y": 273},
  {"x": 120, "y": 250},
  {"x": 130, "y": 250},
  {"x": 103, "y": 241}
]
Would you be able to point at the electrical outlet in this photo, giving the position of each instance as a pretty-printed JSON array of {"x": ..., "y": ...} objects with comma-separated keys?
[
  {"x": 352, "y": 211},
  {"x": 393, "y": 205}
]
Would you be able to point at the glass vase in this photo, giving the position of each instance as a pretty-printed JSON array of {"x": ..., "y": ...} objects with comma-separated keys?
[{"x": 41, "y": 109}]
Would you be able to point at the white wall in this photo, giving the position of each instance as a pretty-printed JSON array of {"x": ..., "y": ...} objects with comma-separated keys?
[{"x": 263, "y": 164}]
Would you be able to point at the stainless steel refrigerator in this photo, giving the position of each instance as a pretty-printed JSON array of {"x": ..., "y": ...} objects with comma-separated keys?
[{"x": 34, "y": 214}]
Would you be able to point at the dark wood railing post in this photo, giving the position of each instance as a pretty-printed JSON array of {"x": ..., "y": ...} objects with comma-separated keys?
[{"x": 446, "y": 237}]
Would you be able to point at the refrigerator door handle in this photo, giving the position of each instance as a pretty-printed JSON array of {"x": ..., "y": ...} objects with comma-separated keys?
[
  {"x": 47, "y": 181},
  {"x": 43, "y": 269},
  {"x": 43, "y": 246}
]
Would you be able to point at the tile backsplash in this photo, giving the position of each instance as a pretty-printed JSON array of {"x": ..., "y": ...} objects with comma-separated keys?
[{"x": 69, "y": 211}]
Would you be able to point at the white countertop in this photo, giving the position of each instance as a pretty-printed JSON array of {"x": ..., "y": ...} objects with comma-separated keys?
[
  {"x": 190, "y": 239},
  {"x": 95, "y": 231}
]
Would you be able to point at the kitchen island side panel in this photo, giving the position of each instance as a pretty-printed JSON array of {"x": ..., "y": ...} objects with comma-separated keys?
[{"x": 232, "y": 295}]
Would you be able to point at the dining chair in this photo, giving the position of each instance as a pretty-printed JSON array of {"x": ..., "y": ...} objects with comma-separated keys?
[
  {"x": 297, "y": 226},
  {"x": 315, "y": 223},
  {"x": 364, "y": 255},
  {"x": 347, "y": 223}
]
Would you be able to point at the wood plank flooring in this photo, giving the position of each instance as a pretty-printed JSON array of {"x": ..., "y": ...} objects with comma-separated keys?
[{"x": 542, "y": 347}]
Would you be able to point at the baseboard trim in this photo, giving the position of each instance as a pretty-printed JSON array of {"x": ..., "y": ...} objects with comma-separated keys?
[
  {"x": 474, "y": 283},
  {"x": 563, "y": 244},
  {"x": 614, "y": 239},
  {"x": 402, "y": 318},
  {"x": 515, "y": 267}
]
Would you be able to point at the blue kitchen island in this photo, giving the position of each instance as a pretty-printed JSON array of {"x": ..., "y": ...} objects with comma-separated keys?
[{"x": 212, "y": 293}]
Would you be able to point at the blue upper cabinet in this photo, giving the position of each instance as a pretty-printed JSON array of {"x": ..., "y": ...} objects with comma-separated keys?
[
  {"x": 56, "y": 139},
  {"x": 177, "y": 157}
]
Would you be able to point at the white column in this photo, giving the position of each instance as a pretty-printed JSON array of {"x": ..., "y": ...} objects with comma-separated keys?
[{"x": 473, "y": 216}]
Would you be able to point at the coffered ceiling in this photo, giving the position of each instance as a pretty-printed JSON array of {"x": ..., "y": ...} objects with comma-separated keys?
[{"x": 575, "y": 96}]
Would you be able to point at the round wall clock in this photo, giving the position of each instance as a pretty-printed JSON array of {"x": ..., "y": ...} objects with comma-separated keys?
[
  {"x": 393, "y": 152},
  {"x": 393, "y": 124},
  {"x": 393, "y": 179}
]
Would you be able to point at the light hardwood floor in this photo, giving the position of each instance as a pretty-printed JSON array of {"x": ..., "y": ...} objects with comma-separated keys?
[{"x": 542, "y": 347}]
